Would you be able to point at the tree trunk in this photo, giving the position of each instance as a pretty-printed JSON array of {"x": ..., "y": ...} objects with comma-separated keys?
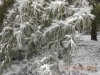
[
  {"x": 94, "y": 24},
  {"x": 94, "y": 30}
]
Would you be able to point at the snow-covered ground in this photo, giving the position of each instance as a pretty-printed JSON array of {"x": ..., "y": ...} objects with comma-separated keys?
[{"x": 88, "y": 55}]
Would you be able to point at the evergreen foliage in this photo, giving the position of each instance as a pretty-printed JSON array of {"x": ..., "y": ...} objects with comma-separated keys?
[
  {"x": 34, "y": 28},
  {"x": 3, "y": 9}
]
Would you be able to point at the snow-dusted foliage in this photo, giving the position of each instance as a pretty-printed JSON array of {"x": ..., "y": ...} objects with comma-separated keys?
[{"x": 47, "y": 27}]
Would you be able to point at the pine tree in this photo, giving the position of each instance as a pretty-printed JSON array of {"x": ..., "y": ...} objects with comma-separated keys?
[
  {"x": 34, "y": 28},
  {"x": 95, "y": 10}
]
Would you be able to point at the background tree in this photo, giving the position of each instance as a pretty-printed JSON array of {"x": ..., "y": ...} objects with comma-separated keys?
[
  {"x": 98, "y": 16},
  {"x": 95, "y": 11}
]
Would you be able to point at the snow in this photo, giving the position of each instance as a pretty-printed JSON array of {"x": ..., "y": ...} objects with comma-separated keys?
[
  {"x": 18, "y": 35},
  {"x": 28, "y": 10},
  {"x": 55, "y": 4},
  {"x": 45, "y": 69},
  {"x": 88, "y": 54},
  {"x": 5, "y": 28},
  {"x": 53, "y": 26}
]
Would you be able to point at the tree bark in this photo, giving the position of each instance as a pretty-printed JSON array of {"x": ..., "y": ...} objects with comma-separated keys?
[
  {"x": 94, "y": 24},
  {"x": 94, "y": 30}
]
